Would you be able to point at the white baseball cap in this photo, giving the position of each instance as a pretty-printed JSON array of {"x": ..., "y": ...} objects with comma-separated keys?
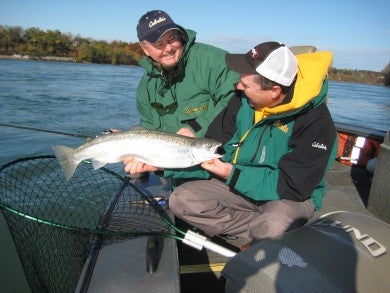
[{"x": 272, "y": 60}]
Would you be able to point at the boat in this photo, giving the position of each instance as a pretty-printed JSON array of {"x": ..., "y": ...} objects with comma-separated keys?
[
  {"x": 357, "y": 197},
  {"x": 150, "y": 263},
  {"x": 185, "y": 269},
  {"x": 347, "y": 201}
]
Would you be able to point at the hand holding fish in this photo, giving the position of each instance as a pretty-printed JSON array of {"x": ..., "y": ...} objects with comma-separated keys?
[
  {"x": 186, "y": 132},
  {"x": 218, "y": 167},
  {"x": 133, "y": 166}
]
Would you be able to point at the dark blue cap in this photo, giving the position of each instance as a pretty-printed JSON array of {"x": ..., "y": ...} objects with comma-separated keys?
[{"x": 153, "y": 24}]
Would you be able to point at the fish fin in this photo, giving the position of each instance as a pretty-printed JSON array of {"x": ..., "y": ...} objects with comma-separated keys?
[
  {"x": 96, "y": 164},
  {"x": 65, "y": 156}
]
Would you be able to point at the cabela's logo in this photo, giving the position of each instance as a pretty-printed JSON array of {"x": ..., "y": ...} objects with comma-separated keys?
[
  {"x": 195, "y": 109},
  {"x": 319, "y": 145},
  {"x": 157, "y": 21}
]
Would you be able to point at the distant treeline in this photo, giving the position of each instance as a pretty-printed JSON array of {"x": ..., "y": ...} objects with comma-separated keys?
[
  {"x": 34, "y": 43},
  {"x": 360, "y": 76}
]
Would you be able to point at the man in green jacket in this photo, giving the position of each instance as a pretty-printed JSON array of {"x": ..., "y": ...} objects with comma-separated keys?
[
  {"x": 271, "y": 178},
  {"x": 186, "y": 84}
]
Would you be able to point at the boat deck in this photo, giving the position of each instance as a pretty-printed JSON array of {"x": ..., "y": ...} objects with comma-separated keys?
[{"x": 348, "y": 190}]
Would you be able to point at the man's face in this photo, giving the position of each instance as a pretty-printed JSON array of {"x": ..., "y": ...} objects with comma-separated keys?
[
  {"x": 257, "y": 97},
  {"x": 166, "y": 50}
]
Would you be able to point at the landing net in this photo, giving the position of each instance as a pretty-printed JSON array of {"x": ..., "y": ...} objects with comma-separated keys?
[{"x": 54, "y": 222}]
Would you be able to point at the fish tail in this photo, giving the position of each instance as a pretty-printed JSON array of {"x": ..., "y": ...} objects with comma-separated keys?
[{"x": 65, "y": 156}]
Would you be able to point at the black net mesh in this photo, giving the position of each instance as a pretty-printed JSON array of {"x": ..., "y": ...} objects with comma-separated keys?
[{"x": 54, "y": 221}]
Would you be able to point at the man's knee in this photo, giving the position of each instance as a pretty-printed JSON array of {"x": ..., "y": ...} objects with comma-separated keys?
[
  {"x": 268, "y": 225},
  {"x": 279, "y": 217},
  {"x": 177, "y": 200}
]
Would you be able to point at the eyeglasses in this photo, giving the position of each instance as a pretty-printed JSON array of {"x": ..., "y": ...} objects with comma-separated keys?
[{"x": 162, "y": 111}]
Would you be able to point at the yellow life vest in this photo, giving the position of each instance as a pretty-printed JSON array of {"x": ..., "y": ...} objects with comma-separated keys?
[{"x": 312, "y": 70}]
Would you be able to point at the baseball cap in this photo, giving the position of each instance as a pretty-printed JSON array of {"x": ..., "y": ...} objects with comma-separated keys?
[
  {"x": 272, "y": 60},
  {"x": 153, "y": 24}
]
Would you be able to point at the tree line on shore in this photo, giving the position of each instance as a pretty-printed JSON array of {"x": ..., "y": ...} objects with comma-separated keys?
[{"x": 36, "y": 43}]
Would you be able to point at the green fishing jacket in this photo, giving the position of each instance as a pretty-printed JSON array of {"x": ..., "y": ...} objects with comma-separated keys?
[
  {"x": 283, "y": 156},
  {"x": 201, "y": 86}
]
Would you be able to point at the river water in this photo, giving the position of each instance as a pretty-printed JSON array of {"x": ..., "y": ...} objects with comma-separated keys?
[{"x": 88, "y": 98}]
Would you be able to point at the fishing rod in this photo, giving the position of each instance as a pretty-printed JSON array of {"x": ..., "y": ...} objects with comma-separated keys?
[{"x": 43, "y": 130}]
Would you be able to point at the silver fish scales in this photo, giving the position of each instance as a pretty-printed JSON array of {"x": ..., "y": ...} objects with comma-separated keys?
[{"x": 155, "y": 148}]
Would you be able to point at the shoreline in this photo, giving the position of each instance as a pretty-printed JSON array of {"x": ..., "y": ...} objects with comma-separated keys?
[{"x": 42, "y": 58}]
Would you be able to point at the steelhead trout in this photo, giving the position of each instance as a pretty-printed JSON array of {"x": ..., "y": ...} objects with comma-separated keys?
[{"x": 155, "y": 148}]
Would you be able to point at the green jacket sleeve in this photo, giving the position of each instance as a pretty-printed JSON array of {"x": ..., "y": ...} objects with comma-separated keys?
[
  {"x": 218, "y": 80},
  {"x": 187, "y": 173},
  {"x": 223, "y": 92}
]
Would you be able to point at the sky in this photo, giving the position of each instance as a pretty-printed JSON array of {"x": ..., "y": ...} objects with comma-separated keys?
[{"x": 356, "y": 31}]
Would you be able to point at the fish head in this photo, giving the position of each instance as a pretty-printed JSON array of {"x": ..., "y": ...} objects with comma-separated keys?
[{"x": 207, "y": 149}]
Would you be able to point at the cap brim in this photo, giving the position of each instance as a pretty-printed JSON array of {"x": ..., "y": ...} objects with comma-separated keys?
[
  {"x": 156, "y": 35},
  {"x": 239, "y": 63}
]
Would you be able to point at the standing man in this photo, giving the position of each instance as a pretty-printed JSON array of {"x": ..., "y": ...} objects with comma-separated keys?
[{"x": 271, "y": 178}]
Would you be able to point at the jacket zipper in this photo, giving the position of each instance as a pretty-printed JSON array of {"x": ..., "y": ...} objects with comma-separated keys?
[
  {"x": 259, "y": 144},
  {"x": 241, "y": 142}
]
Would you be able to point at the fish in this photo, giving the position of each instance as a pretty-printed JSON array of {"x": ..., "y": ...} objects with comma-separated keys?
[{"x": 156, "y": 148}]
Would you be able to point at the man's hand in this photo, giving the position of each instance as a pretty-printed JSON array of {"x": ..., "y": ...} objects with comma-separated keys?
[
  {"x": 186, "y": 132},
  {"x": 133, "y": 166},
  {"x": 218, "y": 167}
]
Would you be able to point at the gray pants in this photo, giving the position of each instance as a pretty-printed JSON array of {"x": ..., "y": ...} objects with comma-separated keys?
[{"x": 211, "y": 206}]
